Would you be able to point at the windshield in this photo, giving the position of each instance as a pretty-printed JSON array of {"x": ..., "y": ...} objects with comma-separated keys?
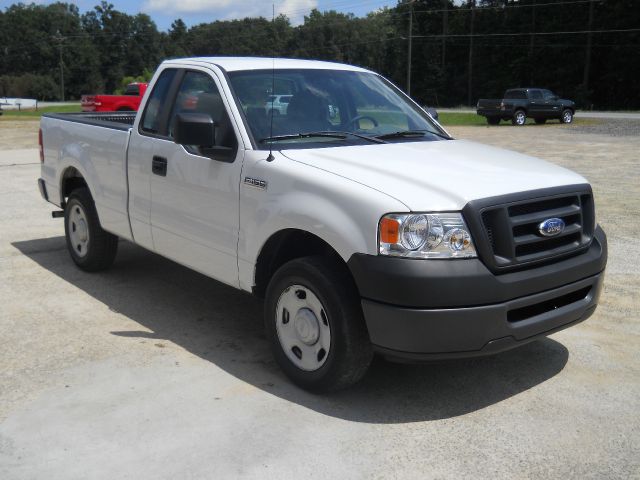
[{"x": 354, "y": 107}]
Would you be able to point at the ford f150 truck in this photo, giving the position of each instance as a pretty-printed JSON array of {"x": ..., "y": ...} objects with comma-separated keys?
[
  {"x": 368, "y": 231},
  {"x": 520, "y": 103},
  {"x": 128, "y": 102}
]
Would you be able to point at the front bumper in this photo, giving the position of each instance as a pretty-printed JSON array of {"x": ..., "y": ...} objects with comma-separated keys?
[{"x": 430, "y": 309}]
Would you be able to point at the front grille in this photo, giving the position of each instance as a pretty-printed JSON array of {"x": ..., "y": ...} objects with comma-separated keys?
[{"x": 507, "y": 234}]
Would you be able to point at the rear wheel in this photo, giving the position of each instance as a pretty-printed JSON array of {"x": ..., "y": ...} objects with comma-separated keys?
[
  {"x": 519, "y": 118},
  {"x": 90, "y": 247},
  {"x": 567, "y": 116},
  {"x": 540, "y": 121},
  {"x": 493, "y": 120},
  {"x": 315, "y": 324}
]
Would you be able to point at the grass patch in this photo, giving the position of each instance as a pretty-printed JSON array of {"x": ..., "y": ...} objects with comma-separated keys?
[
  {"x": 36, "y": 114},
  {"x": 455, "y": 118}
]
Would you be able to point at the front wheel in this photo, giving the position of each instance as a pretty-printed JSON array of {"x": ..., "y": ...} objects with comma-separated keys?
[
  {"x": 315, "y": 325},
  {"x": 567, "y": 116},
  {"x": 90, "y": 247},
  {"x": 519, "y": 118}
]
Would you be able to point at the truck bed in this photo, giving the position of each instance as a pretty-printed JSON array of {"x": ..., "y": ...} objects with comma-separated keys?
[
  {"x": 117, "y": 120},
  {"x": 489, "y": 106},
  {"x": 95, "y": 145}
]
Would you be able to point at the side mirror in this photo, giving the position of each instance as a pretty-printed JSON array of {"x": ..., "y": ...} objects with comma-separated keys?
[
  {"x": 431, "y": 111},
  {"x": 197, "y": 129}
]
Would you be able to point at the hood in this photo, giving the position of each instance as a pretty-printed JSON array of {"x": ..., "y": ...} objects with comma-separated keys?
[{"x": 439, "y": 175}]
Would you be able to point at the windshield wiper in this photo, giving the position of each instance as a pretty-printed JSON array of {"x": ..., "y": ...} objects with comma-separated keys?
[
  {"x": 277, "y": 138},
  {"x": 410, "y": 133},
  {"x": 364, "y": 137},
  {"x": 325, "y": 133}
]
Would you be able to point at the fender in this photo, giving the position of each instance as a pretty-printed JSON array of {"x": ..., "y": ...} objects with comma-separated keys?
[{"x": 339, "y": 211}]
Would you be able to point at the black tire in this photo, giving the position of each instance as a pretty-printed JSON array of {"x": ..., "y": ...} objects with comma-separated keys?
[
  {"x": 540, "y": 121},
  {"x": 519, "y": 118},
  {"x": 100, "y": 248},
  {"x": 350, "y": 351},
  {"x": 493, "y": 120},
  {"x": 567, "y": 116}
]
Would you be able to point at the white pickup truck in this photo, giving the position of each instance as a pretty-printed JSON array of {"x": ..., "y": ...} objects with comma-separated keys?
[{"x": 365, "y": 226}]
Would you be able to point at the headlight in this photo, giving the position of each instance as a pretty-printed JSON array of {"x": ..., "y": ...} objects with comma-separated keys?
[{"x": 425, "y": 235}]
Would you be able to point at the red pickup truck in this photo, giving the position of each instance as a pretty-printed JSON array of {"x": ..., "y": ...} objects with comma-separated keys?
[{"x": 130, "y": 101}]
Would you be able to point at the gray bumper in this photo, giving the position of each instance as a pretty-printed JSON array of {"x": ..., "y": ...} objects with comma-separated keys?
[
  {"x": 475, "y": 331},
  {"x": 423, "y": 310}
]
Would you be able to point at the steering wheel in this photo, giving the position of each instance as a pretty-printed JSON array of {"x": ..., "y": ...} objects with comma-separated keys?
[{"x": 362, "y": 117}]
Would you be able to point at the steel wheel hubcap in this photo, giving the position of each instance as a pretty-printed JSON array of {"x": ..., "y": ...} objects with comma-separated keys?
[
  {"x": 78, "y": 230},
  {"x": 303, "y": 328}
]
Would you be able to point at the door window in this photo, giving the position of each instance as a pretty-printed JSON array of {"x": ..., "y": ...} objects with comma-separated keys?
[
  {"x": 535, "y": 95},
  {"x": 157, "y": 103},
  {"x": 198, "y": 93}
]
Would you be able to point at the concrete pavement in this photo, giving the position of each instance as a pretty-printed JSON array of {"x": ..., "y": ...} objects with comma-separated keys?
[{"x": 150, "y": 370}]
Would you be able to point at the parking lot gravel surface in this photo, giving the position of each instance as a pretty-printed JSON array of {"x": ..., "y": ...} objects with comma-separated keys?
[{"x": 150, "y": 370}]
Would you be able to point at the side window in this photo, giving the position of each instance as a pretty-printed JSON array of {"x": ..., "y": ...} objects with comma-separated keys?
[
  {"x": 548, "y": 95},
  {"x": 198, "y": 93},
  {"x": 157, "y": 102},
  {"x": 535, "y": 95},
  {"x": 132, "y": 90}
]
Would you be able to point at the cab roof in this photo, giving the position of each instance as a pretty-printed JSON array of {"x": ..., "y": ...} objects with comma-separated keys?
[{"x": 232, "y": 64}]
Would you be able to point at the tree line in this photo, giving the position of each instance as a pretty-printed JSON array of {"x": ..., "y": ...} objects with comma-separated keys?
[{"x": 587, "y": 50}]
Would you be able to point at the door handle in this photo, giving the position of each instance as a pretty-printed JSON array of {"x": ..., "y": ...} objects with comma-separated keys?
[{"x": 159, "y": 166}]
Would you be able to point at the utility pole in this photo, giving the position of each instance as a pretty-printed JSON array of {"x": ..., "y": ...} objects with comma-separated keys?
[
  {"x": 60, "y": 39},
  {"x": 531, "y": 40},
  {"x": 587, "y": 61},
  {"x": 472, "y": 4},
  {"x": 445, "y": 20},
  {"x": 411, "y": 2}
]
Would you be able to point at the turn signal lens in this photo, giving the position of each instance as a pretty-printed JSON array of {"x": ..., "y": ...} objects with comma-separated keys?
[{"x": 389, "y": 230}]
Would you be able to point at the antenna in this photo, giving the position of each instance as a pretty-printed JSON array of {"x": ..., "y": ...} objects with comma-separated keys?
[{"x": 271, "y": 158}]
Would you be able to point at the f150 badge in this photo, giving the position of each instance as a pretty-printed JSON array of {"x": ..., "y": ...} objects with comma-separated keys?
[
  {"x": 551, "y": 227},
  {"x": 255, "y": 182}
]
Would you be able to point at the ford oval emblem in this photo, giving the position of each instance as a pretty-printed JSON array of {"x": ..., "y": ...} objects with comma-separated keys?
[{"x": 551, "y": 227}]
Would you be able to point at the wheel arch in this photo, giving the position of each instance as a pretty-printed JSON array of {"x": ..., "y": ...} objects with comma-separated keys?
[
  {"x": 71, "y": 179},
  {"x": 286, "y": 245}
]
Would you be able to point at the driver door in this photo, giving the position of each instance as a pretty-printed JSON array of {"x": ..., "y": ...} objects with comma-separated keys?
[
  {"x": 552, "y": 104},
  {"x": 195, "y": 192}
]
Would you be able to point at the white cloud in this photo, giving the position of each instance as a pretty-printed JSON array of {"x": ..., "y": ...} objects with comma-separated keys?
[
  {"x": 232, "y": 9},
  {"x": 185, "y": 6},
  {"x": 296, "y": 9}
]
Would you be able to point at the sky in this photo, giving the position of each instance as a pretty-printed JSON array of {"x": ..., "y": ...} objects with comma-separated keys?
[{"x": 193, "y": 12}]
